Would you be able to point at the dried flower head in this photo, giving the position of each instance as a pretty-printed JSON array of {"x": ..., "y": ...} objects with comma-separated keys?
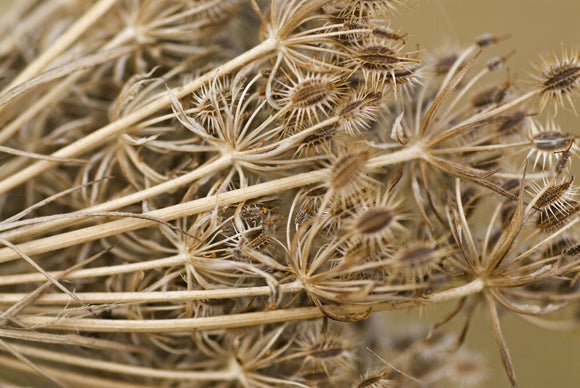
[
  {"x": 558, "y": 78},
  {"x": 347, "y": 172},
  {"x": 417, "y": 261},
  {"x": 547, "y": 142},
  {"x": 358, "y": 110},
  {"x": 374, "y": 221},
  {"x": 308, "y": 98}
]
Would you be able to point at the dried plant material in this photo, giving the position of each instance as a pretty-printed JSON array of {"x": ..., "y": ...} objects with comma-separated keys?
[
  {"x": 234, "y": 183},
  {"x": 347, "y": 172},
  {"x": 559, "y": 77}
]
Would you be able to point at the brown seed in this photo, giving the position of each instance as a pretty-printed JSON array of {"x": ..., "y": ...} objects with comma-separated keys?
[
  {"x": 327, "y": 353},
  {"x": 552, "y": 141},
  {"x": 443, "y": 65},
  {"x": 550, "y": 221},
  {"x": 553, "y": 195},
  {"x": 379, "y": 58},
  {"x": 375, "y": 221},
  {"x": 347, "y": 170},
  {"x": 512, "y": 123},
  {"x": 321, "y": 136},
  {"x": 562, "y": 78},
  {"x": 312, "y": 92},
  {"x": 572, "y": 250}
]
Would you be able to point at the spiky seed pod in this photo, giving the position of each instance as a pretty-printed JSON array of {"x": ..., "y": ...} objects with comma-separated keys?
[
  {"x": 417, "y": 261},
  {"x": 559, "y": 78},
  {"x": 549, "y": 221},
  {"x": 547, "y": 141},
  {"x": 555, "y": 197},
  {"x": 375, "y": 380},
  {"x": 325, "y": 350},
  {"x": 356, "y": 113},
  {"x": 319, "y": 141},
  {"x": 347, "y": 172},
  {"x": 207, "y": 102},
  {"x": 311, "y": 97},
  {"x": 374, "y": 222},
  {"x": 380, "y": 61}
]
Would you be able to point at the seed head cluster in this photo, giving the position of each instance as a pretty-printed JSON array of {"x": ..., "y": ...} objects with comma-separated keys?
[{"x": 227, "y": 193}]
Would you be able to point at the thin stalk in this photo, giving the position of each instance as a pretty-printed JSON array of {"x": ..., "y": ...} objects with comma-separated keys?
[
  {"x": 95, "y": 272},
  {"x": 151, "y": 296},
  {"x": 124, "y": 124},
  {"x": 78, "y": 379},
  {"x": 226, "y": 374},
  {"x": 67, "y": 39},
  {"x": 239, "y": 320},
  {"x": 118, "y": 203},
  {"x": 92, "y": 233}
]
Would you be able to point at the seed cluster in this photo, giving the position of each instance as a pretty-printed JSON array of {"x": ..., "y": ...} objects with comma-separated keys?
[{"x": 209, "y": 193}]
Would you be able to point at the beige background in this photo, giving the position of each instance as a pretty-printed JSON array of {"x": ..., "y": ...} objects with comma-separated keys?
[{"x": 542, "y": 359}]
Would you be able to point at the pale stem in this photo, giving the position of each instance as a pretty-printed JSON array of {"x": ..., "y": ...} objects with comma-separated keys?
[
  {"x": 126, "y": 369},
  {"x": 152, "y": 296},
  {"x": 124, "y": 124},
  {"x": 95, "y": 272},
  {"x": 81, "y": 380},
  {"x": 201, "y": 205},
  {"x": 186, "y": 325},
  {"x": 62, "y": 43},
  {"x": 117, "y": 203}
]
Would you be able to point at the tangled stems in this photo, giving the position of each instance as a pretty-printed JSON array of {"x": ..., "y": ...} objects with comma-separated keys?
[{"x": 230, "y": 216}]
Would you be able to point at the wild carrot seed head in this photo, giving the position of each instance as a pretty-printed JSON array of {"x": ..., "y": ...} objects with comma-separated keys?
[{"x": 558, "y": 78}]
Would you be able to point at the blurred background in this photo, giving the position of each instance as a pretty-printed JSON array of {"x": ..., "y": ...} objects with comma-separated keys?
[{"x": 542, "y": 358}]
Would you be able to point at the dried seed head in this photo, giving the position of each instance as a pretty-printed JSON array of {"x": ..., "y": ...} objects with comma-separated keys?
[
  {"x": 555, "y": 197},
  {"x": 379, "y": 61},
  {"x": 417, "y": 261},
  {"x": 550, "y": 221},
  {"x": 359, "y": 110},
  {"x": 559, "y": 78},
  {"x": 310, "y": 96},
  {"x": 347, "y": 172},
  {"x": 547, "y": 141}
]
